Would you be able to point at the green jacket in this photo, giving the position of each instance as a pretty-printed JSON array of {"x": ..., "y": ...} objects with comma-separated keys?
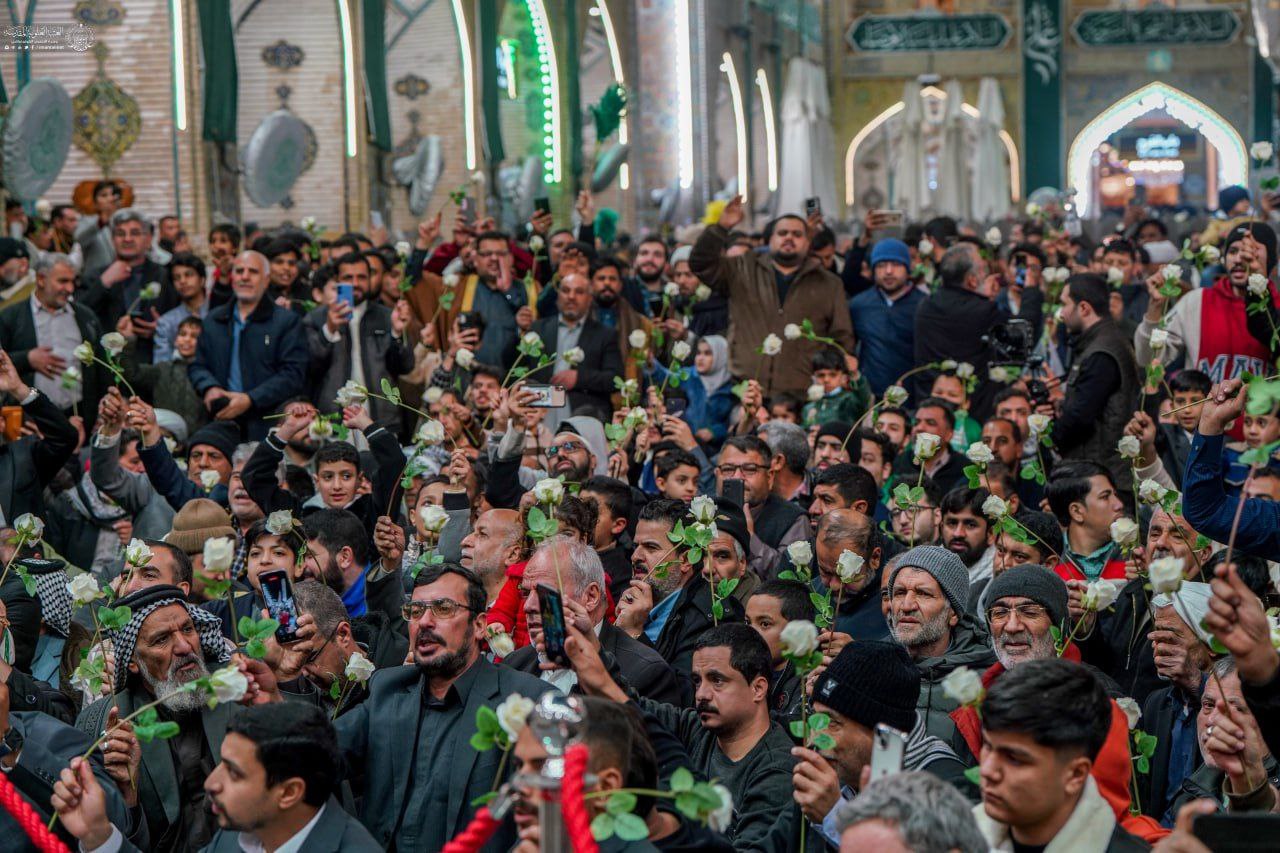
[
  {"x": 167, "y": 387},
  {"x": 847, "y": 406}
]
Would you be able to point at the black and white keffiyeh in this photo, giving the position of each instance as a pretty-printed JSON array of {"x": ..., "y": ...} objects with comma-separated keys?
[
  {"x": 51, "y": 589},
  {"x": 142, "y": 603}
]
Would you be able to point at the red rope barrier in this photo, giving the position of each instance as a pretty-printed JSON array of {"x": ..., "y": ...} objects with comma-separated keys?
[
  {"x": 26, "y": 816},
  {"x": 577, "y": 819},
  {"x": 475, "y": 835}
]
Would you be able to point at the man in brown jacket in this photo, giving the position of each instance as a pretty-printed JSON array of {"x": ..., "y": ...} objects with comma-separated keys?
[{"x": 767, "y": 293}]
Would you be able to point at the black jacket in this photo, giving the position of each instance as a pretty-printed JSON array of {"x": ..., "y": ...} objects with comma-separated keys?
[
  {"x": 1158, "y": 713},
  {"x": 640, "y": 666},
  {"x": 108, "y": 303},
  {"x": 18, "y": 338},
  {"x": 601, "y": 362},
  {"x": 383, "y": 355},
  {"x": 29, "y": 464},
  {"x": 687, "y": 621},
  {"x": 1118, "y": 644}
]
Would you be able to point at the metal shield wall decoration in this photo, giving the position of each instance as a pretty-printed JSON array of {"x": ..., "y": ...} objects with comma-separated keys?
[
  {"x": 607, "y": 166},
  {"x": 420, "y": 171},
  {"x": 107, "y": 118},
  {"x": 37, "y": 137},
  {"x": 280, "y": 149}
]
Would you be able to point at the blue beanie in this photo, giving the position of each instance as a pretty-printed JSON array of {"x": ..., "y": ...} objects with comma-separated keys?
[{"x": 890, "y": 249}]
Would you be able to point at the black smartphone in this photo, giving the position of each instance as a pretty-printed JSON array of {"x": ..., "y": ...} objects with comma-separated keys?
[
  {"x": 277, "y": 592},
  {"x": 812, "y": 205},
  {"x": 551, "y": 607},
  {"x": 1237, "y": 833},
  {"x": 542, "y": 205},
  {"x": 733, "y": 490},
  {"x": 217, "y": 404},
  {"x": 676, "y": 406},
  {"x": 467, "y": 208},
  {"x": 470, "y": 320}
]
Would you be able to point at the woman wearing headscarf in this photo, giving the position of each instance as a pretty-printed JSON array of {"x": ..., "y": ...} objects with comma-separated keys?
[{"x": 709, "y": 391}]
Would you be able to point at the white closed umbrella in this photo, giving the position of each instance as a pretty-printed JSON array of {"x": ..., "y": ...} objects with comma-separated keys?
[
  {"x": 952, "y": 196},
  {"x": 990, "y": 171},
  {"x": 910, "y": 190},
  {"x": 808, "y": 147}
]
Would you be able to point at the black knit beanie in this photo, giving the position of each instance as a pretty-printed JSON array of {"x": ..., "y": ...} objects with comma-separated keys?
[
  {"x": 1034, "y": 582},
  {"x": 871, "y": 682}
]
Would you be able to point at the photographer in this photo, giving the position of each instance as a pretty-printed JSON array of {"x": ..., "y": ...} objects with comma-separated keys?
[
  {"x": 953, "y": 321},
  {"x": 1102, "y": 383}
]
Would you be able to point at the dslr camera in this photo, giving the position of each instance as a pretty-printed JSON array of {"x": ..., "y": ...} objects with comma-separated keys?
[{"x": 1012, "y": 342}]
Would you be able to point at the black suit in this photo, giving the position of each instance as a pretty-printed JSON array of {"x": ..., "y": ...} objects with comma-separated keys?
[
  {"x": 1173, "y": 446},
  {"x": 18, "y": 338},
  {"x": 382, "y": 355},
  {"x": 640, "y": 666},
  {"x": 109, "y": 304},
  {"x": 689, "y": 619},
  {"x": 601, "y": 362},
  {"x": 1158, "y": 714},
  {"x": 29, "y": 464}
]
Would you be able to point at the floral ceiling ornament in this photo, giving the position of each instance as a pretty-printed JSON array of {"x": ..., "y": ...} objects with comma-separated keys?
[
  {"x": 283, "y": 55},
  {"x": 412, "y": 87},
  {"x": 107, "y": 118},
  {"x": 99, "y": 13}
]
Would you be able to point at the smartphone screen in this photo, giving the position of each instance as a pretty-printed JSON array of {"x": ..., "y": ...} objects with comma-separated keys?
[
  {"x": 812, "y": 205},
  {"x": 551, "y": 608},
  {"x": 467, "y": 208},
  {"x": 733, "y": 490},
  {"x": 277, "y": 592},
  {"x": 887, "y": 748},
  {"x": 549, "y": 396}
]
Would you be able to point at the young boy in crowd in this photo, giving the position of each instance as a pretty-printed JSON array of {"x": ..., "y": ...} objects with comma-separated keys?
[
  {"x": 224, "y": 243},
  {"x": 895, "y": 423},
  {"x": 676, "y": 473},
  {"x": 784, "y": 407},
  {"x": 1187, "y": 388},
  {"x": 955, "y": 390},
  {"x": 166, "y": 383},
  {"x": 844, "y": 397},
  {"x": 769, "y": 609},
  {"x": 1259, "y": 430}
]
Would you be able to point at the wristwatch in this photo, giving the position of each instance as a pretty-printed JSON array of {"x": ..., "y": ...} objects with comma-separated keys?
[{"x": 11, "y": 744}]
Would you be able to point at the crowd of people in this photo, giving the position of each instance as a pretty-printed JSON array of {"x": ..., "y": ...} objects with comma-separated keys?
[{"x": 928, "y": 537}]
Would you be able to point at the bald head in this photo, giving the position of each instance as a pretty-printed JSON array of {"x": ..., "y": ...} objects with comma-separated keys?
[
  {"x": 249, "y": 278},
  {"x": 847, "y": 528}
]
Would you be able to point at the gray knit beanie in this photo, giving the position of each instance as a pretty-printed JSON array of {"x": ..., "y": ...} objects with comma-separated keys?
[
  {"x": 1034, "y": 582},
  {"x": 944, "y": 566}
]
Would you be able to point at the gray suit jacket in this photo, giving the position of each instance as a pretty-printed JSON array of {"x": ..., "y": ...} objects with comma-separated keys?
[
  {"x": 151, "y": 514},
  {"x": 378, "y": 734}
]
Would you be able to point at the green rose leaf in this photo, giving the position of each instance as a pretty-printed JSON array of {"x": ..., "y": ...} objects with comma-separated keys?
[
  {"x": 682, "y": 780},
  {"x": 621, "y": 802},
  {"x": 630, "y": 827},
  {"x": 602, "y": 826},
  {"x": 974, "y": 775}
]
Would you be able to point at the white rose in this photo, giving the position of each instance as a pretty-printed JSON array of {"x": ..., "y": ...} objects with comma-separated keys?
[
  {"x": 1033, "y": 209},
  {"x": 433, "y": 395},
  {"x": 721, "y": 818},
  {"x": 1061, "y": 274},
  {"x": 229, "y": 684},
  {"x": 137, "y": 553},
  {"x": 963, "y": 686},
  {"x": 702, "y": 293},
  {"x": 465, "y": 358},
  {"x": 403, "y": 249},
  {"x": 1171, "y": 273},
  {"x": 451, "y": 280},
  {"x": 849, "y": 566},
  {"x": 895, "y": 395},
  {"x": 1257, "y": 284},
  {"x": 947, "y": 365},
  {"x": 994, "y": 507},
  {"x": 536, "y": 243},
  {"x": 500, "y": 642},
  {"x": 1129, "y": 447},
  {"x": 513, "y": 713},
  {"x": 994, "y": 238},
  {"x": 280, "y": 522},
  {"x": 1261, "y": 151},
  {"x": 792, "y": 332},
  {"x": 638, "y": 339},
  {"x": 209, "y": 478},
  {"x": 1166, "y": 574},
  {"x": 703, "y": 509},
  {"x": 925, "y": 248},
  {"x": 1124, "y": 532},
  {"x": 113, "y": 343},
  {"x": 30, "y": 527},
  {"x": 1159, "y": 339},
  {"x": 150, "y": 291},
  {"x": 816, "y": 392},
  {"x": 772, "y": 345},
  {"x": 980, "y": 453},
  {"x": 531, "y": 339},
  {"x": 637, "y": 415},
  {"x": 1273, "y": 622},
  {"x": 800, "y": 552},
  {"x": 71, "y": 376},
  {"x": 219, "y": 553},
  {"x": 1210, "y": 254},
  {"x": 1099, "y": 595},
  {"x": 359, "y": 668},
  {"x": 680, "y": 350},
  {"x": 799, "y": 638},
  {"x": 1151, "y": 492},
  {"x": 1132, "y": 713},
  {"x": 574, "y": 356},
  {"x": 44, "y": 208},
  {"x": 549, "y": 491},
  {"x": 1114, "y": 276},
  {"x": 964, "y": 370},
  {"x": 430, "y": 433},
  {"x": 1039, "y": 424},
  {"x": 671, "y": 290},
  {"x": 927, "y": 445},
  {"x": 351, "y": 394},
  {"x": 318, "y": 430},
  {"x": 84, "y": 589},
  {"x": 433, "y": 517},
  {"x": 308, "y": 223}
]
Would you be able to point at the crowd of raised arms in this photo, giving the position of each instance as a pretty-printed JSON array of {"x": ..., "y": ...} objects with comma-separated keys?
[{"x": 928, "y": 537}]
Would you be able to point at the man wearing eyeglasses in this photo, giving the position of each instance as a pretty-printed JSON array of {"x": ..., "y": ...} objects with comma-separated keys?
[
  {"x": 773, "y": 520},
  {"x": 410, "y": 738}
]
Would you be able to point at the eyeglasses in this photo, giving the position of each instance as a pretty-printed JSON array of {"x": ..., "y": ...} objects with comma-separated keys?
[
  {"x": 441, "y": 608},
  {"x": 567, "y": 447},
  {"x": 1026, "y": 613},
  {"x": 749, "y": 469},
  {"x": 896, "y": 511},
  {"x": 311, "y": 658}
]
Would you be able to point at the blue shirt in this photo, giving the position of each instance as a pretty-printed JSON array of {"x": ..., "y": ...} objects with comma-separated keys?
[
  {"x": 658, "y": 616},
  {"x": 353, "y": 596},
  {"x": 167, "y": 330},
  {"x": 234, "y": 382},
  {"x": 886, "y": 333}
]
